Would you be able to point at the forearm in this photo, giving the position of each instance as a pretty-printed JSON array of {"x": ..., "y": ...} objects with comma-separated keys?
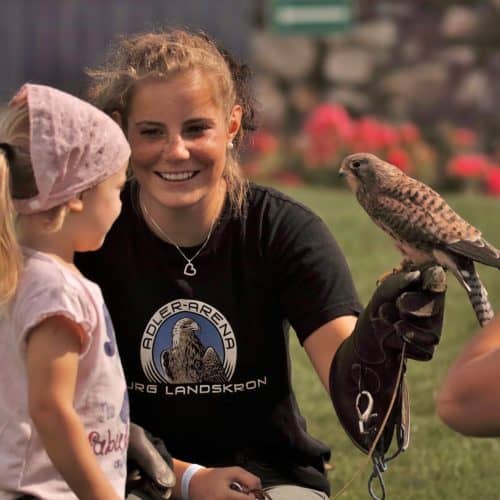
[
  {"x": 322, "y": 345},
  {"x": 179, "y": 469},
  {"x": 66, "y": 443},
  {"x": 469, "y": 398},
  {"x": 213, "y": 483}
]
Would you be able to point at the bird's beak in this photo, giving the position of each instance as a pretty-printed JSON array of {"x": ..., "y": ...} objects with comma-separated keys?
[{"x": 342, "y": 169}]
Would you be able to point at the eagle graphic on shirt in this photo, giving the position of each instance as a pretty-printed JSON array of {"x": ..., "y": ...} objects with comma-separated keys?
[{"x": 188, "y": 361}]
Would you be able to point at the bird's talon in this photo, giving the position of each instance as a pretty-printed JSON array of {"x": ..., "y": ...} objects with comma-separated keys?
[{"x": 434, "y": 279}]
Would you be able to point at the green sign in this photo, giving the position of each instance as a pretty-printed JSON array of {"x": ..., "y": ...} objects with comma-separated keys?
[{"x": 318, "y": 17}]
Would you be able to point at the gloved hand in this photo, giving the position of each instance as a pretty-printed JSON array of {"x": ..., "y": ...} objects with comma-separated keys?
[
  {"x": 150, "y": 469},
  {"x": 406, "y": 309}
]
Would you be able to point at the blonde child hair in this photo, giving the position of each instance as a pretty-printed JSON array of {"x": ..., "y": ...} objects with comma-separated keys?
[{"x": 16, "y": 175}]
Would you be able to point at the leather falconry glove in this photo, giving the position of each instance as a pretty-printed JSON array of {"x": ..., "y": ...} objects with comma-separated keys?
[
  {"x": 150, "y": 467},
  {"x": 406, "y": 309}
]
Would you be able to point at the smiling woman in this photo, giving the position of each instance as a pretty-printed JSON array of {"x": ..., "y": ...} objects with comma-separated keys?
[
  {"x": 204, "y": 273},
  {"x": 180, "y": 136}
]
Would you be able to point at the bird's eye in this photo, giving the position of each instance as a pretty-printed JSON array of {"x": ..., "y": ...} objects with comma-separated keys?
[{"x": 356, "y": 164}]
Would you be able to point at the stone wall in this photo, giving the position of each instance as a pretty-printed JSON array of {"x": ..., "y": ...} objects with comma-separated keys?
[{"x": 433, "y": 62}]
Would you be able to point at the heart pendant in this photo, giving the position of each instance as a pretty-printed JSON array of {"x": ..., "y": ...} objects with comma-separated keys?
[{"x": 189, "y": 269}]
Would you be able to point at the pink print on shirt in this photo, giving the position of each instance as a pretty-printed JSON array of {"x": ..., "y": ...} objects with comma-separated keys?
[{"x": 106, "y": 442}]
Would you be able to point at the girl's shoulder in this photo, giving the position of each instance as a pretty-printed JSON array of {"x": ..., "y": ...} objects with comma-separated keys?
[
  {"x": 47, "y": 287},
  {"x": 42, "y": 268},
  {"x": 43, "y": 275},
  {"x": 39, "y": 269}
]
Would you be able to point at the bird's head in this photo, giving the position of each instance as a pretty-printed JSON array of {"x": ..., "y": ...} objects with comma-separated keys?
[
  {"x": 366, "y": 171},
  {"x": 185, "y": 326}
]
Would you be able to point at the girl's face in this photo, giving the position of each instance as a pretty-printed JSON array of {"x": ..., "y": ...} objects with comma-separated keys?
[
  {"x": 101, "y": 206},
  {"x": 178, "y": 134}
]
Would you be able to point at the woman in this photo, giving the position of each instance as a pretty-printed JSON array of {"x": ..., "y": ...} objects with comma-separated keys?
[{"x": 203, "y": 275}]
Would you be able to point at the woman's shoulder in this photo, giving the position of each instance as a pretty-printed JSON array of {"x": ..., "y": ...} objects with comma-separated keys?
[
  {"x": 276, "y": 217},
  {"x": 270, "y": 200}
]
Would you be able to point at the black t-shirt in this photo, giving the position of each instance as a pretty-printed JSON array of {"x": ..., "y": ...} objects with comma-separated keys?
[{"x": 206, "y": 357}]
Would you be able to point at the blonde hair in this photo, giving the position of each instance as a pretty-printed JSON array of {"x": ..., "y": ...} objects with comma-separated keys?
[
  {"x": 161, "y": 55},
  {"x": 16, "y": 182},
  {"x": 14, "y": 131}
]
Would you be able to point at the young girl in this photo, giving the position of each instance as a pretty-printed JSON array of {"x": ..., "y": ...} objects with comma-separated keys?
[
  {"x": 204, "y": 274},
  {"x": 63, "y": 404}
]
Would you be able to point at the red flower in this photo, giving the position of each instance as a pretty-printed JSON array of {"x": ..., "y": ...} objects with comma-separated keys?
[
  {"x": 469, "y": 165},
  {"x": 329, "y": 119},
  {"x": 400, "y": 158},
  {"x": 464, "y": 137},
  {"x": 368, "y": 135},
  {"x": 288, "y": 179},
  {"x": 389, "y": 136},
  {"x": 409, "y": 133},
  {"x": 328, "y": 128},
  {"x": 251, "y": 169},
  {"x": 320, "y": 151},
  {"x": 493, "y": 181},
  {"x": 263, "y": 142}
]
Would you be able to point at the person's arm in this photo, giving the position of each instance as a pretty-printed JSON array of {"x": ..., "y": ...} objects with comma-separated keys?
[
  {"x": 469, "y": 398},
  {"x": 322, "y": 345},
  {"x": 214, "y": 483},
  {"x": 52, "y": 356},
  {"x": 405, "y": 310}
]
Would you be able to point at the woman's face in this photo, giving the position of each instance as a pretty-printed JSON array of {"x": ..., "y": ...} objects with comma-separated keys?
[{"x": 178, "y": 134}]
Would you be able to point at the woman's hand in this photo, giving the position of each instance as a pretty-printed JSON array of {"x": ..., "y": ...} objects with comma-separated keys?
[
  {"x": 215, "y": 483},
  {"x": 404, "y": 319}
]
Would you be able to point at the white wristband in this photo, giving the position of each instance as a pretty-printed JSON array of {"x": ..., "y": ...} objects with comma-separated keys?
[{"x": 186, "y": 479}]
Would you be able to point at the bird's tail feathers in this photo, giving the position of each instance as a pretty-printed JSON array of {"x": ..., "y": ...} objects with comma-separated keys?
[{"x": 477, "y": 293}]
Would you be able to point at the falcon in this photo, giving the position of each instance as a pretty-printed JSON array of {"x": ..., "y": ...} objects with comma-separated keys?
[
  {"x": 188, "y": 361},
  {"x": 426, "y": 230}
]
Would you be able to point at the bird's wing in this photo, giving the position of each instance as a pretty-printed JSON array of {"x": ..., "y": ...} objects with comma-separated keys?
[
  {"x": 212, "y": 371},
  {"x": 417, "y": 212},
  {"x": 166, "y": 361},
  {"x": 405, "y": 221},
  {"x": 424, "y": 218},
  {"x": 479, "y": 250},
  {"x": 459, "y": 236}
]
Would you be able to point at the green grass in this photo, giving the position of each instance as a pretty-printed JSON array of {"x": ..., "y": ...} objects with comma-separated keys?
[{"x": 439, "y": 463}]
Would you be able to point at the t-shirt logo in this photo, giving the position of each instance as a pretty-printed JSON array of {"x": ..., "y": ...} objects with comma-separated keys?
[{"x": 188, "y": 342}]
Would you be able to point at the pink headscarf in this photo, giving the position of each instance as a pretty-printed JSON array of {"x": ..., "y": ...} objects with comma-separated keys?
[{"x": 73, "y": 145}]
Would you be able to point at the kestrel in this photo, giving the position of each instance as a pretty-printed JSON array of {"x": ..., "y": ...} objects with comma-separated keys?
[
  {"x": 424, "y": 227},
  {"x": 188, "y": 361}
]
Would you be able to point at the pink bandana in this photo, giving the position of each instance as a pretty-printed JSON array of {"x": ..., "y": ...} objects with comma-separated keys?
[{"x": 73, "y": 145}]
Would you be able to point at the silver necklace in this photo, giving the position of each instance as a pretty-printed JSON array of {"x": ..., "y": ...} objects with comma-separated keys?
[{"x": 189, "y": 269}]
